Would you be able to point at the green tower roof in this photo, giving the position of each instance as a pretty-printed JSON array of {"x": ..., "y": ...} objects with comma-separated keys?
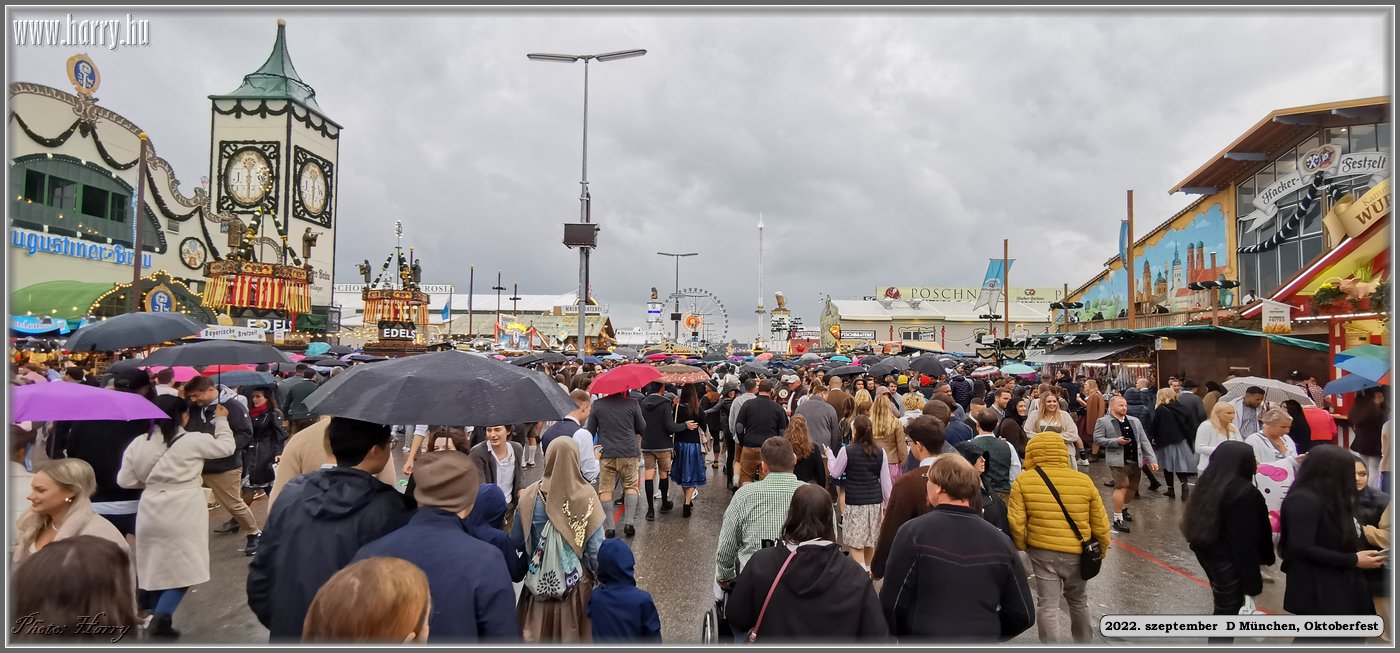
[{"x": 277, "y": 78}]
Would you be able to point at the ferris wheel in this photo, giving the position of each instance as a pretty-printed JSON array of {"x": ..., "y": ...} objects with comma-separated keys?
[{"x": 702, "y": 313}]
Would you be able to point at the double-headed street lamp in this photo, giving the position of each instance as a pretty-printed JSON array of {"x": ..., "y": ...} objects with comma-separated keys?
[
  {"x": 583, "y": 235},
  {"x": 676, "y": 314}
]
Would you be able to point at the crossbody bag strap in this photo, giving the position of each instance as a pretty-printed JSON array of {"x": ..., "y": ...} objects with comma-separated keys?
[
  {"x": 753, "y": 632},
  {"x": 1073, "y": 526}
]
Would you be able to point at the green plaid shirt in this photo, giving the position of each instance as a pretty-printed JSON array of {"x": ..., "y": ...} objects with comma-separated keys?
[{"x": 756, "y": 513}]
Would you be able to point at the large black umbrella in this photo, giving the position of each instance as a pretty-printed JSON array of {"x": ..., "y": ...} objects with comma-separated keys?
[
  {"x": 216, "y": 352},
  {"x": 527, "y": 359},
  {"x": 927, "y": 365},
  {"x": 848, "y": 370},
  {"x": 449, "y": 387},
  {"x": 754, "y": 368},
  {"x": 889, "y": 366},
  {"x": 365, "y": 358},
  {"x": 133, "y": 330},
  {"x": 340, "y": 350}
]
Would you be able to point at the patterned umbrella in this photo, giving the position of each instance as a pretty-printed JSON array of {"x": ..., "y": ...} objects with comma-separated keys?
[{"x": 682, "y": 374}]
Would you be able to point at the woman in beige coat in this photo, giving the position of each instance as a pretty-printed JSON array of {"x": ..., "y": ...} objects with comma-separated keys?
[
  {"x": 172, "y": 520},
  {"x": 1050, "y": 418},
  {"x": 59, "y": 509}
]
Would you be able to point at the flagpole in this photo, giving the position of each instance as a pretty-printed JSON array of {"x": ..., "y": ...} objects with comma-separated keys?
[
  {"x": 471, "y": 286},
  {"x": 1006, "y": 287},
  {"x": 1128, "y": 267}
]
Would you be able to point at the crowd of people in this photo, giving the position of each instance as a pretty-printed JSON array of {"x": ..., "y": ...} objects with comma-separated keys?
[{"x": 864, "y": 508}]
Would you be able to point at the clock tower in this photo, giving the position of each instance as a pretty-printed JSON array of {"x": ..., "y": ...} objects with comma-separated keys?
[{"x": 273, "y": 165}]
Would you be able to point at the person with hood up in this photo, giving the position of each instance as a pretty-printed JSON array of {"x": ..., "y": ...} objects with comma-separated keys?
[
  {"x": 318, "y": 524},
  {"x": 658, "y": 445},
  {"x": 619, "y": 610},
  {"x": 472, "y": 597},
  {"x": 487, "y": 523},
  {"x": 1012, "y": 426},
  {"x": 818, "y": 594},
  {"x": 1039, "y": 527},
  {"x": 224, "y": 476}
]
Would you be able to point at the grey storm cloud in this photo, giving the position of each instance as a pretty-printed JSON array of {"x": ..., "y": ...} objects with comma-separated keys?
[{"x": 881, "y": 148}]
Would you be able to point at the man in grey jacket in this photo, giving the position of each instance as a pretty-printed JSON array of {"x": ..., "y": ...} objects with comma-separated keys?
[
  {"x": 618, "y": 423},
  {"x": 821, "y": 420},
  {"x": 1124, "y": 443}
]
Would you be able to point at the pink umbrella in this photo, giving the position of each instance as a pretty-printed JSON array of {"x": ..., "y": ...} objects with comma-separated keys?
[
  {"x": 182, "y": 373},
  {"x": 764, "y": 356},
  {"x": 624, "y": 378},
  {"x": 296, "y": 357},
  {"x": 657, "y": 357},
  {"x": 499, "y": 357},
  {"x": 47, "y": 402}
]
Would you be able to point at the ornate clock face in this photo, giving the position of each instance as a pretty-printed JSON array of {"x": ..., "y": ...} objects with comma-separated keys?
[
  {"x": 248, "y": 177},
  {"x": 311, "y": 186},
  {"x": 193, "y": 254}
]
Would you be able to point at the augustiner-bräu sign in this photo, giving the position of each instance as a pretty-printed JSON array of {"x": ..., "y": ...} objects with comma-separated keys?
[{"x": 1350, "y": 218}]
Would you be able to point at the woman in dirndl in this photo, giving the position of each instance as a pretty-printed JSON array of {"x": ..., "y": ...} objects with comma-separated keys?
[{"x": 689, "y": 467}]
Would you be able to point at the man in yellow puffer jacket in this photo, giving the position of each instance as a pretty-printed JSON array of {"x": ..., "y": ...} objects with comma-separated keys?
[{"x": 1039, "y": 527}]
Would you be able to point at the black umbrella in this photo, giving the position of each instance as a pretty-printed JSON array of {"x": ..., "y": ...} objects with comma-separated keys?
[
  {"x": 340, "y": 350},
  {"x": 366, "y": 358},
  {"x": 286, "y": 368},
  {"x": 753, "y": 368},
  {"x": 329, "y": 362},
  {"x": 216, "y": 352},
  {"x": 527, "y": 359},
  {"x": 551, "y": 357},
  {"x": 126, "y": 364},
  {"x": 927, "y": 365},
  {"x": 847, "y": 370},
  {"x": 449, "y": 387},
  {"x": 807, "y": 359},
  {"x": 133, "y": 330},
  {"x": 627, "y": 352}
]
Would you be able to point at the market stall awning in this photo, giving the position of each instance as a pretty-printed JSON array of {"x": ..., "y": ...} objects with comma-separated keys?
[
  {"x": 1084, "y": 353},
  {"x": 1185, "y": 330},
  {"x": 57, "y": 299}
]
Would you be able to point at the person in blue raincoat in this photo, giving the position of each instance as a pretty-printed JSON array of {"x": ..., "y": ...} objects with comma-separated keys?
[
  {"x": 487, "y": 523},
  {"x": 619, "y": 610}
]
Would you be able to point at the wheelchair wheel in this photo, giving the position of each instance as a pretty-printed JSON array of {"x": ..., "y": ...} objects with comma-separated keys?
[{"x": 707, "y": 628}]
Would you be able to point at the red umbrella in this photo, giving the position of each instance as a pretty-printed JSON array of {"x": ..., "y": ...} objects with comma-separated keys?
[
  {"x": 624, "y": 378},
  {"x": 657, "y": 357},
  {"x": 213, "y": 370}
]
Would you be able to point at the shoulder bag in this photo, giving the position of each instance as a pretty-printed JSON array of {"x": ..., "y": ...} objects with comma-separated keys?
[
  {"x": 1090, "y": 552},
  {"x": 753, "y": 632}
]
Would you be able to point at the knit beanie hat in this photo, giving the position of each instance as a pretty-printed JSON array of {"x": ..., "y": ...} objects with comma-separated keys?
[{"x": 446, "y": 479}]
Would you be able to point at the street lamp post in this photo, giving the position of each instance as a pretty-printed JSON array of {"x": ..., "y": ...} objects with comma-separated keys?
[
  {"x": 583, "y": 198},
  {"x": 498, "y": 288},
  {"x": 677, "y": 310}
]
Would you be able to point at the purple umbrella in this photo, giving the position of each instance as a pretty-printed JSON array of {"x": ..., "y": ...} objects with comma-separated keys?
[{"x": 76, "y": 402}]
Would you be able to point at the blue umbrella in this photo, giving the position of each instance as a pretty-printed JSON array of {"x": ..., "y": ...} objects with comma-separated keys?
[
  {"x": 840, "y": 359},
  {"x": 1017, "y": 368},
  {"x": 592, "y": 360},
  {"x": 1347, "y": 384},
  {"x": 317, "y": 348},
  {"x": 1370, "y": 368}
]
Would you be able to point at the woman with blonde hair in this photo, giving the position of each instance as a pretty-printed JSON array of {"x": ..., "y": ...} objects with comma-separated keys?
[
  {"x": 59, "y": 509},
  {"x": 1220, "y": 428},
  {"x": 889, "y": 435},
  {"x": 863, "y": 397},
  {"x": 1174, "y": 436},
  {"x": 381, "y": 600},
  {"x": 1049, "y": 417}
]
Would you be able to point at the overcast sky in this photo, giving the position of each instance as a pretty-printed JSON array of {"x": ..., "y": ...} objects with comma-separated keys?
[{"x": 892, "y": 148}]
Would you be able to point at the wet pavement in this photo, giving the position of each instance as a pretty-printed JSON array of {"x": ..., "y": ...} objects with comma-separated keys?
[{"x": 1147, "y": 571}]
